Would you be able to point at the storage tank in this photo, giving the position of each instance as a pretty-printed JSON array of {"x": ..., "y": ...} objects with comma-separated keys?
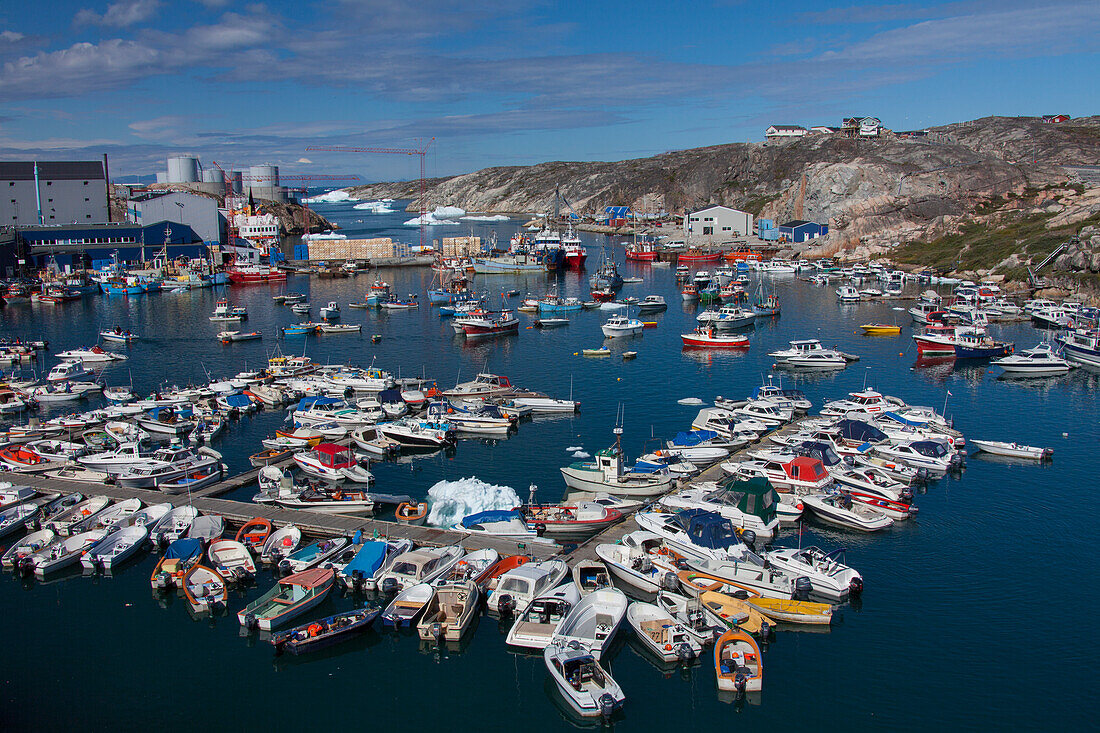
[
  {"x": 183, "y": 169},
  {"x": 264, "y": 175},
  {"x": 238, "y": 181},
  {"x": 211, "y": 175},
  {"x": 162, "y": 177}
]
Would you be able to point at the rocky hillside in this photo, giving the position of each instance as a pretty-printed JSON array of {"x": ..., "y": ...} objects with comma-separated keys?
[{"x": 873, "y": 193}]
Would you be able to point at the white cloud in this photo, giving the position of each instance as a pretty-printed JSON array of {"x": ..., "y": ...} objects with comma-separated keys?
[
  {"x": 10, "y": 36},
  {"x": 304, "y": 160},
  {"x": 122, "y": 14}
]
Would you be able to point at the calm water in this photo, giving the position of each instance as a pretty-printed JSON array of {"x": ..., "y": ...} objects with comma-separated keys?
[{"x": 968, "y": 620}]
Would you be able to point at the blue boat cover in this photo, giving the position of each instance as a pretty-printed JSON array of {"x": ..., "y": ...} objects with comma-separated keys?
[
  {"x": 368, "y": 559},
  {"x": 493, "y": 515},
  {"x": 693, "y": 437},
  {"x": 183, "y": 412},
  {"x": 861, "y": 431},
  {"x": 389, "y": 395},
  {"x": 184, "y": 548},
  {"x": 307, "y": 402},
  {"x": 707, "y": 529},
  {"x": 904, "y": 420},
  {"x": 238, "y": 400}
]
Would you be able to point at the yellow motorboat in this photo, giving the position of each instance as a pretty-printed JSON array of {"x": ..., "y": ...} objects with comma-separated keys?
[
  {"x": 733, "y": 612},
  {"x": 793, "y": 612},
  {"x": 881, "y": 329}
]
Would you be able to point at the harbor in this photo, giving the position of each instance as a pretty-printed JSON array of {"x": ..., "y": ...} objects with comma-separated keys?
[{"x": 665, "y": 390}]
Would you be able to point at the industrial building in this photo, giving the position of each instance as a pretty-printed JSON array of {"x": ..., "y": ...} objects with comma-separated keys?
[
  {"x": 196, "y": 211},
  {"x": 53, "y": 192},
  {"x": 261, "y": 181},
  {"x": 716, "y": 224},
  {"x": 800, "y": 231},
  {"x": 79, "y": 246}
]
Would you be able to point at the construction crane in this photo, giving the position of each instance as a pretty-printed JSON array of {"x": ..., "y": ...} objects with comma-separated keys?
[{"x": 420, "y": 151}]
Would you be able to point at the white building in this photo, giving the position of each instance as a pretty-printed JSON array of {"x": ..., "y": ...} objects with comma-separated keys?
[
  {"x": 869, "y": 127},
  {"x": 716, "y": 224},
  {"x": 779, "y": 131}
]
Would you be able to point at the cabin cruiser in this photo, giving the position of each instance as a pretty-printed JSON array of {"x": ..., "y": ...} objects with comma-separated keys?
[
  {"x": 750, "y": 504},
  {"x": 1081, "y": 346},
  {"x": 826, "y": 570},
  {"x": 169, "y": 464},
  {"x": 1040, "y": 361},
  {"x": 483, "y": 385},
  {"x": 801, "y": 349},
  {"x": 68, "y": 370},
  {"x": 931, "y": 455},
  {"x": 312, "y": 411},
  {"x": 737, "y": 429},
  {"x": 868, "y": 402},
  {"x": 801, "y": 474},
  {"x": 728, "y": 316},
  {"x": 616, "y": 326}
]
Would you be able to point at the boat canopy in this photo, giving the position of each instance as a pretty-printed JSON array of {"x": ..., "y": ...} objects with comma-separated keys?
[
  {"x": 821, "y": 451},
  {"x": 308, "y": 402},
  {"x": 929, "y": 448},
  {"x": 389, "y": 395},
  {"x": 805, "y": 468},
  {"x": 184, "y": 549},
  {"x": 491, "y": 516},
  {"x": 707, "y": 529},
  {"x": 754, "y": 496},
  {"x": 367, "y": 560},
  {"x": 238, "y": 400},
  {"x": 911, "y": 422},
  {"x": 694, "y": 437},
  {"x": 333, "y": 455},
  {"x": 857, "y": 430}
]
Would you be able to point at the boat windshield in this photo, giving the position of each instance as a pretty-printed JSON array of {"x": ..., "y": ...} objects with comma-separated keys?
[
  {"x": 519, "y": 586},
  {"x": 405, "y": 568}
]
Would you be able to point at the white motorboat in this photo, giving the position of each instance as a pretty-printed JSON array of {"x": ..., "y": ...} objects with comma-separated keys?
[
  {"x": 661, "y": 634},
  {"x": 829, "y": 576},
  {"x": 519, "y": 586},
  {"x": 116, "y": 461},
  {"x": 224, "y": 313},
  {"x": 64, "y": 552},
  {"x": 13, "y": 557},
  {"x": 633, "y": 565},
  {"x": 690, "y": 614},
  {"x": 13, "y": 518},
  {"x": 370, "y": 561},
  {"x": 171, "y": 468},
  {"x": 67, "y": 370},
  {"x": 583, "y": 683},
  {"x": 749, "y": 572},
  {"x": 419, "y": 566},
  {"x": 332, "y": 462},
  {"x": 173, "y": 525},
  {"x": 208, "y": 527},
  {"x": 931, "y": 455},
  {"x": 11, "y": 494},
  {"x": 94, "y": 355},
  {"x": 750, "y": 504},
  {"x": 824, "y": 360},
  {"x": 63, "y": 522},
  {"x": 1012, "y": 450},
  {"x": 593, "y": 621},
  {"x": 279, "y": 544},
  {"x": 617, "y": 326},
  {"x": 416, "y": 433},
  {"x": 801, "y": 474},
  {"x": 232, "y": 560},
  {"x": 847, "y": 294},
  {"x": 1040, "y": 361},
  {"x": 866, "y": 402},
  {"x": 407, "y": 605},
  {"x": 116, "y": 515},
  {"x": 504, "y": 523},
  {"x": 871, "y": 480},
  {"x": 606, "y": 474},
  {"x": 117, "y": 335},
  {"x": 838, "y": 509},
  {"x": 115, "y": 548},
  {"x": 535, "y": 627}
]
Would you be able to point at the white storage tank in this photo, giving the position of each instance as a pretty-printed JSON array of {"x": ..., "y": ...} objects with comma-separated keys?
[
  {"x": 162, "y": 177},
  {"x": 238, "y": 181},
  {"x": 211, "y": 175},
  {"x": 265, "y": 176},
  {"x": 183, "y": 169}
]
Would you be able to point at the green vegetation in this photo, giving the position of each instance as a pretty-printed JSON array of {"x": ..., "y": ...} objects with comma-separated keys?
[
  {"x": 755, "y": 205},
  {"x": 977, "y": 246}
]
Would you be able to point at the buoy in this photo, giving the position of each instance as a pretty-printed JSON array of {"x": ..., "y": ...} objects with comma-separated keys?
[{"x": 619, "y": 379}]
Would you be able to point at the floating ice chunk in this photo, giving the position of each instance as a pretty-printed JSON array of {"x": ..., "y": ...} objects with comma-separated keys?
[
  {"x": 452, "y": 501},
  {"x": 448, "y": 212},
  {"x": 498, "y": 217},
  {"x": 376, "y": 207},
  {"x": 690, "y": 401},
  {"x": 324, "y": 236},
  {"x": 582, "y": 454},
  {"x": 572, "y": 448},
  {"x": 338, "y": 196}
]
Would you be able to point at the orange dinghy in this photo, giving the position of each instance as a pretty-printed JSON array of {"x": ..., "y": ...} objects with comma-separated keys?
[
  {"x": 487, "y": 581},
  {"x": 738, "y": 663},
  {"x": 410, "y": 513},
  {"x": 254, "y": 533}
]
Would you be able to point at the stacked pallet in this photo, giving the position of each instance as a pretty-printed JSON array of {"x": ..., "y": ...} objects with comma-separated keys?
[
  {"x": 461, "y": 246},
  {"x": 353, "y": 249}
]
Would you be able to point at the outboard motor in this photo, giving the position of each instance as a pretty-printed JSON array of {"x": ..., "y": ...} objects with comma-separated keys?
[
  {"x": 437, "y": 632},
  {"x": 389, "y": 586},
  {"x": 251, "y": 622},
  {"x": 669, "y": 581},
  {"x": 26, "y": 566},
  {"x": 740, "y": 682},
  {"x": 356, "y": 580},
  {"x": 766, "y": 630},
  {"x": 741, "y": 595},
  {"x": 749, "y": 538},
  {"x": 506, "y": 605},
  {"x": 906, "y": 495},
  {"x": 283, "y": 567},
  {"x": 684, "y": 652},
  {"x": 280, "y": 646},
  {"x": 607, "y": 705},
  {"x": 802, "y": 588},
  {"x": 855, "y": 586}
]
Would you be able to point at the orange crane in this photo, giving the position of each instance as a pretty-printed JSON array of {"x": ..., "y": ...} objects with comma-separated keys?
[{"x": 419, "y": 151}]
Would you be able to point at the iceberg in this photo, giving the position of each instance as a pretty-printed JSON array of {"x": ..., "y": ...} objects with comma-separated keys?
[
  {"x": 338, "y": 196},
  {"x": 498, "y": 217},
  {"x": 690, "y": 401},
  {"x": 452, "y": 501},
  {"x": 582, "y": 454},
  {"x": 442, "y": 216},
  {"x": 376, "y": 207},
  {"x": 573, "y": 448}
]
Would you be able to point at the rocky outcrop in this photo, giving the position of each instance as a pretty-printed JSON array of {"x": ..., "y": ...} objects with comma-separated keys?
[
  {"x": 872, "y": 192},
  {"x": 1082, "y": 254}
]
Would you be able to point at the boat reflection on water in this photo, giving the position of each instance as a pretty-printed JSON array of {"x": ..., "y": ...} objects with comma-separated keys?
[
  {"x": 713, "y": 356},
  {"x": 570, "y": 716},
  {"x": 740, "y": 700},
  {"x": 667, "y": 669}
]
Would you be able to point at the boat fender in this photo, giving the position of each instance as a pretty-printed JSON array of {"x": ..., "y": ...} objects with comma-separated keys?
[
  {"x": 540, "y": 528},
  {"x": 314, "y": 630}
]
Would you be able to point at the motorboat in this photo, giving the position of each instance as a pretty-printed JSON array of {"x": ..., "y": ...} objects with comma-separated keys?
[
  {"x": 173, "y": 525},
  {"x": 118, "y": 335},
  {"x": 618, "y": 325},
  {"x": 661, "y": 634},
  {"x": 13, "y": 518},
  {"x": 291, "y": 597},
  {"x": 1081, "y": 346},
  {"x": 179, "y": 557},
  {"x": 205, "y": 590},
  {"x": 536, "y": 626},
  {"x": 324, "y": 632},
  {"x": 801, "y": 474},
  {"x": 824, "y": 360},
  {"x": 13, "y": 557},
  {"x": 1039, "y": 361},
  {"x": 827, "y": 572},
  {"x": 450, "y": 613},
  {"x": 207, "y": 527},
  {"x": 312, "y": 554},
  {"x": 729, "y": 611},
  {"x": 167, "y": 466},
  {"x": 738, "y": 662},
  {"x": 93, "y": 355},
  {"x": 119, "y": 514},
  {"x": 406, "y": 607},
  {"x": 64, "y": 552},
  {"x": 804, "y": 347},
  {"x": 331, "y": 310},
  {"x": 68, "y": 370},
  {"x": 223, "y": 312},
  {"x": 328, "y": 500},
  {"x": 417, "y": 433},
  {"x": 115, "y": 548},
  {"x": 227, "y": 337},
  {"x": 590, "y": 575},
  {"x": 973, "y": 344},
  {"x": 254, "y": 533},
  {"x": 483, "y": 386},
  {"x": 931, "y": 455},
  {"x": 370, "y": 560},
  {"x": 727, "y": 317},
  {"x": 419, "y": 566},
  {"x": 707, "y": 337},
  {"x": 690, "y": 614},
  {"x": 232, "y": 559},
  {"x": 635, "y": 566},
  {"x": 569, "y": 522},
  {"x": 412, "y": 513},
  {"x": 332, "y": 462},
  {"x": 840, "y": 510},
  {"x": 652, "y": 304},
  {"x": 750, "y": 504},
  {"x": 167, "y": 420},
  {"x": 516, "y": 588},
  {"x": 1013, "y": 450},
  {"x": 64, "y": 522},
  {"x": 279, "y": 544},
  {"x": 606, "y": 474},
  {"x": 593, "y": 621},
  {"x": 588, "y": 689}
]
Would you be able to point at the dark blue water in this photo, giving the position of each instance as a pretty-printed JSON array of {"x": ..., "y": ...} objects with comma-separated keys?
[{"x": 971, "y": 618}]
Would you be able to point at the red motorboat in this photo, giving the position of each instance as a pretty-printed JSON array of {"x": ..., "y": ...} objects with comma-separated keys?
[
  {"x": 603, "y": 295},
  {"x": 248, "y": 274},
  {"x": 641, "y": 252},
  {"x": 706, "y": 337},
  {"x": 936, "y": 339},
  {"x": 506, "y": 322},
  {"x": 697, "y": 256},
  {"x": 896, "y": 510}
]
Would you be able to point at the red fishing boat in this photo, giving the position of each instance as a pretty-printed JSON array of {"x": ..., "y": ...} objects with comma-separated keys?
[
  {"x": 641, "y": 252},
  {"x": 604, "y": 295},
  {"x": 697, "y": 256},
  {"x": 248, "y": 274},
  {"x": 506, "y": 322},
  {"x": 706, "y": 337},
  {"x": 936, "y": 339}
]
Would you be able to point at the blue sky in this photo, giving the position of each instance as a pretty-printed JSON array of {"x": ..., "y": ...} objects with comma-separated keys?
[{"x": 514, "y": 81}]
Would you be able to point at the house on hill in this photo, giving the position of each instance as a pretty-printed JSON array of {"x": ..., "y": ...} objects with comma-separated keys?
[{"x": 784, "y": 131}]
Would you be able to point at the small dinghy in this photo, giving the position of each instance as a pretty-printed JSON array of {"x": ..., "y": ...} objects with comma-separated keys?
[
  {"x": 1013, "y": 450},
  {"x": 450, "y": 613},
  {"x": 15, "y": 518},
  {"x": 590, "y": 575},
  {"x": 312, "y": 554},
  {"x": 734, "y": 612},
  {"x": 270, "y": 456},
  {"x": 64, "y": 522},
  {"x": 150, "y": 516},
  {"x": 232, "y": 560},
  {"x": 291, "y": 597},
  {"x": 324, "y": 632},
  {"x": 63, "y": 553},
  {"x": 205, "y": 590},
  {"x": 794, "y": 612},
  {"x": 690, "y": 614},
  {"x": 254, "y": 533},
  {"x": 208, "y": 527},
  {"x": 26, "y": 547},
  {"x": 583, "y": 683},
  {"x": 603, "y": 351},
  {"x": 594, "y": 620},
  {"x": 407, "y": 606},
  {"x": 115, "y": 549},
  {"x": 181, "y": 555},
  {"x": 661, "y": 634},
  {"x": 173, "y": 525},
  {"x": 540, "y": 621},
  {"x": 738, "y": 663},
  {"x": 279, "y": 544},
  {"x": 412, "y": 513}
]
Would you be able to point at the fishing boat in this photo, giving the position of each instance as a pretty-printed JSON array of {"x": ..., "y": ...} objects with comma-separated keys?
[
  {"x": 738, "y": 662},
  {"x": 661, "y": 634},
  {"x": 588, "y": 689},
  {"x": 279, "y": 544},
  {"x": 117, "y": 335},
  {"x": 973, "y": 344},
  {"x": 706, "y": 337},
  {"x": 332, "y": 462},
  {"x": 1013, "y": 450},
  {"x": 535, "y": 627},
  {"x": 593, "y": 621},
  {"x": 331, "y": 310},
  {"x": 205, "y": 590},
  {"x": 232, "y": 559},
  {"x": 606, "y": 474},
  {"x": 115, "y": 548},
  {"x": 450, "y": 613},
  {"x": 324, "y": 632},
  {"x": 291, "y": 597},
  {"x": 227, "y": 337},
  {"x": 223, "y": 312},
  {"x": 249, "y": 274},
  {"x": 503, "y": 323},
  {"x": 406, "y": 607}
]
